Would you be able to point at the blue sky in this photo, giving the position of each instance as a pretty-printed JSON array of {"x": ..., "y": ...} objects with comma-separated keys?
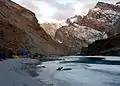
[{"x": 58, "y": 10}]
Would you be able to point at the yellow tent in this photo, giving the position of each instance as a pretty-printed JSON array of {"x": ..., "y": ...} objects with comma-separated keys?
[{"x": 16, "y": 57}]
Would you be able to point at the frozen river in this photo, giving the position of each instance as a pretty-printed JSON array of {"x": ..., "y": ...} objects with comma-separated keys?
[{"x": 84, "y": 73}]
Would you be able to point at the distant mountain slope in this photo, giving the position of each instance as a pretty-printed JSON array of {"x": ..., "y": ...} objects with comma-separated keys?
[
  {"x": 51, "y": 28},
  {"x": 104, "y": 17},
  {"x": 76, "y": 37}
]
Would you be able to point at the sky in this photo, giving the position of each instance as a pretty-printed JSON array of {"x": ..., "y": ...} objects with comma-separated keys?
[{"x": 59, "y": 10}]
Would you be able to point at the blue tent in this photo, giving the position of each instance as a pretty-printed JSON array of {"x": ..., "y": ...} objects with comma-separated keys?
[{"x": 23, "y": 51}]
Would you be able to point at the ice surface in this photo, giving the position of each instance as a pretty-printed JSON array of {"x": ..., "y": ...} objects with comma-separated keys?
[
  {"x": 82, "y": 74},
  {"x": 12, "y": 75}
]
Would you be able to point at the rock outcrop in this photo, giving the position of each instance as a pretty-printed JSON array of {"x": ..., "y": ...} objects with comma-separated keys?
[
  {"x": 75, "y": 37},
  {"x": 106, "y": 47},
  {"x": 104, "y": 17},
  {"x": 20, "y": 28},
  {"x": 51, "y": 28},
  {"x": 74, "y": 20}
]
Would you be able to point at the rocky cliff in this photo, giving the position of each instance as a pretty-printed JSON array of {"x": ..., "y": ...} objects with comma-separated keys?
[
  {"x": 75, "y": 36},
  {"x": 51, "y": 28},
  {"x": 106, "y": 47},
  {"x": 19, "y": 28},
  {"x": 104, "y": 17}
]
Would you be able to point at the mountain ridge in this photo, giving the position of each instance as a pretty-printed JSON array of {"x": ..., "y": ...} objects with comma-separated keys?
[{"x": 35, "y": 39}]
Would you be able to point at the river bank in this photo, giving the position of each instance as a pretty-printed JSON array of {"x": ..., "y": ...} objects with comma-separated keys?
[{"x": 14, "y": 73}]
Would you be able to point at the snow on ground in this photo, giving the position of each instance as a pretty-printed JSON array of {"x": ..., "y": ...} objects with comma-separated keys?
[
  {"x": 112, "y": 58},
  {"x": 11, "y": 73},
  {"x": 82, "y": 74}
]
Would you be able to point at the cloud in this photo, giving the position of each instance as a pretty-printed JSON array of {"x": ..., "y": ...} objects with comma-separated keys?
[
  {"x": 29, "y": 4},
  {"x": 57, "y": 10},
  {"x": 45, "y": 10}
]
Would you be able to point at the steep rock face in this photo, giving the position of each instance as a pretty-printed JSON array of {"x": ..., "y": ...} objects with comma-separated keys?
[
  {"x": 74, "y": 20},
  {"x": 108, "y": 46},
  {"x": 19, "y": 28},
  {"x": 51, "y": 28},
  {"x": 77, "y": 33},
  {"x": 104, "y": 17},
  {"x": 75, "y": 37}
]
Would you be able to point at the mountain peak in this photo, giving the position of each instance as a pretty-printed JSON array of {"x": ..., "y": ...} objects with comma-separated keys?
[
  {"x": 103, "y": 17},
  {"x": 107, "y": 6},
  {"x": 118, "y": 2}
]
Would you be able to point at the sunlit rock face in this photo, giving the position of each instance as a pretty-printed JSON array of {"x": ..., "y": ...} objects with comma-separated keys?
[
  {"x": 104, "y": 17},
  {"x": 74, "y": 20},
  {"x": 20, "y": 28},
  {"x": 51, "y": 28},
  {"x": 75, "y": 37}
]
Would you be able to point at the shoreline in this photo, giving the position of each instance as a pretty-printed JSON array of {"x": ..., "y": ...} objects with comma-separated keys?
[{"x": 14, "y": 73}]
